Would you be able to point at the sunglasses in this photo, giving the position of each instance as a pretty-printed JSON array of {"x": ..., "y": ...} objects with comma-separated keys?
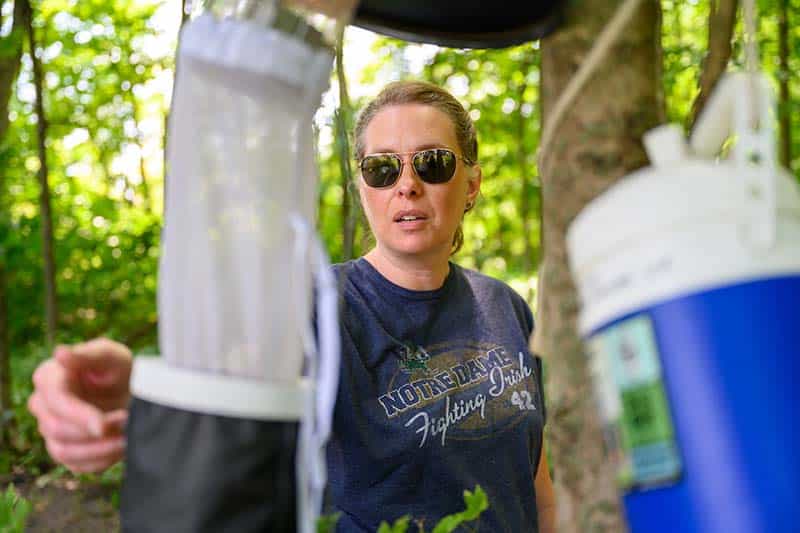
[{"x": 436, "y": 165}]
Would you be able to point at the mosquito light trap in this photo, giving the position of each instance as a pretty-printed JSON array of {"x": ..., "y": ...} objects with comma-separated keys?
[{"x": 227, "y": 428}]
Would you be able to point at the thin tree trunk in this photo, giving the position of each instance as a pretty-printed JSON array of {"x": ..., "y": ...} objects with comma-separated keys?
[
  {"x": 597, "y": 143},
  {"x": 526, "y": 192},
  {"x": 5, "y": 360},
  {"x": 9, "y": 68},
  {"x": 147, "y": 201},
  {"x": 784, "y": 108},
  {"x": 343, "y": 124},
  {"x": 48, "y": 254},
  {"x": 722, "y": 16}
]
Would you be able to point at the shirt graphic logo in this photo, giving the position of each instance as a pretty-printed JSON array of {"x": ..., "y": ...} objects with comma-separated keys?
[
  {"x": 413, "y": 358},
  {"x": 444, "y": 393}
]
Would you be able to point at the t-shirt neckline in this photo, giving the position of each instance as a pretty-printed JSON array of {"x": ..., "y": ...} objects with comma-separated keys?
[{"x": 372, "y": 274}]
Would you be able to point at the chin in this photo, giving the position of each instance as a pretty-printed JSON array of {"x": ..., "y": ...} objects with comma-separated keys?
[{"x": 419, "y": 248}]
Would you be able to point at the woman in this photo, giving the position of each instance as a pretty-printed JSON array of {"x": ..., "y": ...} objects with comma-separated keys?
[{"x": 438, "y": 391}]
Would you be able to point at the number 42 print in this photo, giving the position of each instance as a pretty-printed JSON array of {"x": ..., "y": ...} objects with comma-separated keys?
[{"x": 522, "y": 399}]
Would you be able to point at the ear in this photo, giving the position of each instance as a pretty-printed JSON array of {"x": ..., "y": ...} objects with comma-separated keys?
[{"x": 474, "y": 183}]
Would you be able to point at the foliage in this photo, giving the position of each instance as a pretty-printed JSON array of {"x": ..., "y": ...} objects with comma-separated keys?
[
  {"x": 26, "y": 449},
  {"x": 327, "y": 523},
  {"x": 101, "y": 103},
  {"x": 476, "y": 502},
  {"x": 14, "y": 511}
]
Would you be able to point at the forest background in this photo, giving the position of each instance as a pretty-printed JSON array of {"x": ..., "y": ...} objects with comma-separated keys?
[{"x": 82, "y": 134}]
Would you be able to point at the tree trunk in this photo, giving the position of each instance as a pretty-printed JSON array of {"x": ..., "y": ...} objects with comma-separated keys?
[
  {"x": 785, "y": 102},
  {"x": 48, "y": 255},
  {"x": 343, "y": 120},
  {"x": 722, "y": 16},
  {"x": 525, "y": 170},
  {"x": 9, "y": 68},
  {"x": 598, "y": 142}
]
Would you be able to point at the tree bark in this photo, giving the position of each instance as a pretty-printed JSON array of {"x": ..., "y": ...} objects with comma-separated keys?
[
  {"x": 784, "y": 107},
  {"x": 597, "y": 143},
  {"x": 45, "y": 213},
  {"x": 343, "y": 120},
  {"x": 9, "y": 68},
  {"x": 722, "y": 17}
]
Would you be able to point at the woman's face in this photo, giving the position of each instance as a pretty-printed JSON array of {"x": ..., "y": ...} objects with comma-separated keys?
[{"x": 411, "y": 217}]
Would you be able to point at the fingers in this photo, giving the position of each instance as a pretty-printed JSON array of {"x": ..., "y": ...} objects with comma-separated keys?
[
  {"x": 55, "y": 397},
  {"x": 92, "y": 456},
  {"x": 96, "y": 354},
  {"x": 100, "y": 370},
  {"x": 74, "y": 446},
  {"x": 55, "y": 427},
  {"x": 114, "y": 422}
]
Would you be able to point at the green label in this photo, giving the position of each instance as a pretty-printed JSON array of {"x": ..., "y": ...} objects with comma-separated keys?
[{"x": 638, "y": 425}]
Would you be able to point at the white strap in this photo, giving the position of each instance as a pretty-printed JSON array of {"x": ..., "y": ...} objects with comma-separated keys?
[{"x": 322, "y": 369}]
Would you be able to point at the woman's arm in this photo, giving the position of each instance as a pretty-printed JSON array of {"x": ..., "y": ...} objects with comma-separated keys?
[{"x": 545, "y": 496}]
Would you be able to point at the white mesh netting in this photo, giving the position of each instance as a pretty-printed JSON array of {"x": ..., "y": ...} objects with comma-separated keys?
[{"x": 241, "y": 162}]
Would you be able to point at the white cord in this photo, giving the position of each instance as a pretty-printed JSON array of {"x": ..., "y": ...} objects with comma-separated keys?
[
  {"x": 323, "y": 370},
  {"x": 607, "y": 37}
]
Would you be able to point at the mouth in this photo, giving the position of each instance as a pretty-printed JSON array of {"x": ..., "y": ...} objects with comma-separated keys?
[{"x": 410, "y": 216}]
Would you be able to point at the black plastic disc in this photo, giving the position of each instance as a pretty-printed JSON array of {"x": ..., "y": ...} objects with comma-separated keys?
[{"x": 460, "y": 23}]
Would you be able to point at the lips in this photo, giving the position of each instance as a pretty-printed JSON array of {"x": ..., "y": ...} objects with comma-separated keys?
[{"x": 411, "y": 215}]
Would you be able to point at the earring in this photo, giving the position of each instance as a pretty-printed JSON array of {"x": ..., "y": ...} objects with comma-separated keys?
[{"x": 469, "y": 205}]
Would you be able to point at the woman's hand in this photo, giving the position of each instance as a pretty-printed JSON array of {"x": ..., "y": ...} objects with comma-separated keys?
[{"x": 80, "y": 401}]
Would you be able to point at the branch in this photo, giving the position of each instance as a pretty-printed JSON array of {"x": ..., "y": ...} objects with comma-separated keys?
[{"x": 721, "y": 19}]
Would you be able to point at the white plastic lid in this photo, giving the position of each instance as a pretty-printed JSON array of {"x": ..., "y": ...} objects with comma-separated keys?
[
  {"x": 688, "y": 226},
  {"x": 653, "y": 200}
]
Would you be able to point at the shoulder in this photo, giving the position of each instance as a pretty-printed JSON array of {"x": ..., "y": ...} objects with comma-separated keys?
[
  {"x": 487, "y": 286},
  {"x": 347, "y": 273},
  {"x": 343, "y": 268},
  {"x": 496, "y": 294}
]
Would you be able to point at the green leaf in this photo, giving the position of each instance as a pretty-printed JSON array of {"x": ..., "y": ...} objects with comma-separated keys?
[
  {"x": 327, "y": 523},
  {"x": 476, "y": 502},
  {"x": 14, "y": 511},
  {"x": 400, "y": 525}
]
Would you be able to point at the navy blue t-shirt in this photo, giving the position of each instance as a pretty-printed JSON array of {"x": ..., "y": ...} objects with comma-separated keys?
[{"x": 438, "y": 393}]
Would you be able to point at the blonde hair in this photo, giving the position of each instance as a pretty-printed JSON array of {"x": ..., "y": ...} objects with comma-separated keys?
[{"x": 422, "y": 92}]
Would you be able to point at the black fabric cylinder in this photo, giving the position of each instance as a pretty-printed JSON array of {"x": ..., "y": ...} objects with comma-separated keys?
[{"x": 195, "y": 473}]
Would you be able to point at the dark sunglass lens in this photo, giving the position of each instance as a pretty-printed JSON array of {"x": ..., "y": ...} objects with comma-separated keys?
[
  {"x": 435, "y": 166},
  {"x": 380, "y": 170}
]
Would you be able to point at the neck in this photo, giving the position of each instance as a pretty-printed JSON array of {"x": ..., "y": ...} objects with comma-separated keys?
[{"x": 410, "y": 272}]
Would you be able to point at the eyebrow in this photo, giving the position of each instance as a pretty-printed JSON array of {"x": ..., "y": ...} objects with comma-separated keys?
[{"x": 418, "y": 148}]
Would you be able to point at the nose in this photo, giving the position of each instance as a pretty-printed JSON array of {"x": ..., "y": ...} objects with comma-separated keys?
[{"x": 409, "y": 184}]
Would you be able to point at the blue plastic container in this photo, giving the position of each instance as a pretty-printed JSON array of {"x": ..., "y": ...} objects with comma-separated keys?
[{"x": 689, "y": 274}]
